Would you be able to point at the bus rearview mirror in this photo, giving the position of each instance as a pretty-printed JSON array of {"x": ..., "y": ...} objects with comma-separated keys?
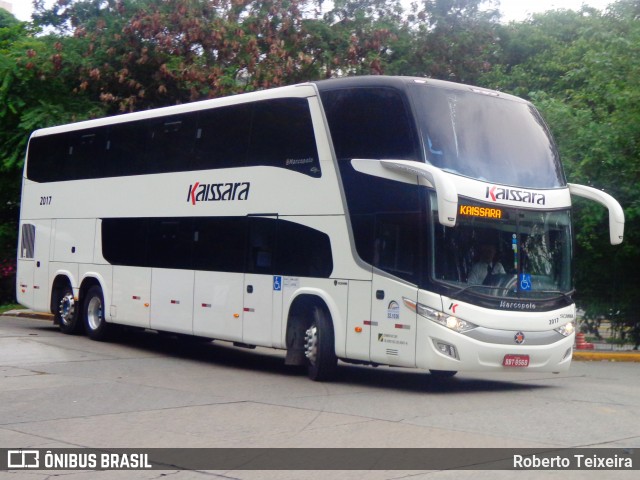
[
  {"x": 407, "y": 171},
  {"x": 616, "y": 214}
]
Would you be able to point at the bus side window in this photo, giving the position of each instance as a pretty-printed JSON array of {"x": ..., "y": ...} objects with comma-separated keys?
[
  {"x": 126, "y": 150},
  {"x": 282, "y": 136},
  {"x": 48, "y": 158},
  {"x": 87, "y": 153},
  {"x": 213, "y": 235},
  {"x": 170, "y": 142},
  {"x": 397, "y": 244},
  {"x": 27, "y": 240},
  {"x": 262, "y": 240},
  {"x": 171, "y": 243},
  {"x": 370, "y": 123},
  {"x": 222, "y": 137},
  {"x": 303, "y": 251}
]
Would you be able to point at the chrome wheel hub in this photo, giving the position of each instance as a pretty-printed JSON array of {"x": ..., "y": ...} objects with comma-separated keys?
[
  {"x": 311, "y": 344},
  {"x": 67, "y": 308},
  {"x": 94, "y": 313}
]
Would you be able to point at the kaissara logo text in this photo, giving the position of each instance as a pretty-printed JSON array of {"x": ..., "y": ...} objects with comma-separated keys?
[
  {"x": 217, "y": 192},
  {"x": 515, "y": 195}
]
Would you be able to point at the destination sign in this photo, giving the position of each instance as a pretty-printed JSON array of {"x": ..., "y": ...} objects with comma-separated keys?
[{"x": 483, "y": 212}]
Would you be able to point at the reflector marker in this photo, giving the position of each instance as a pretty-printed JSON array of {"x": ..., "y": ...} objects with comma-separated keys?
[
  {"x": 135, "y": 297},
  {"x": 175, "y": 302},
  {"x": 369, "y": 322},
  {"x": 249, "y": 309},
  {"x": 206, "y": 305},
  {"x": 403, "y": 327}
]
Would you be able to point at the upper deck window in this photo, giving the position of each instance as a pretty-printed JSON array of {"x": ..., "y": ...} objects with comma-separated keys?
[
  {"x": 486, "y": 137},
  {"x": 370, "y": 122},
  {"x": 274, "y": 133}
]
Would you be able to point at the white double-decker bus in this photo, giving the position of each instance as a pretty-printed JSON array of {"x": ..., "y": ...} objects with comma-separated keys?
[{"x": 379, "y": 220}]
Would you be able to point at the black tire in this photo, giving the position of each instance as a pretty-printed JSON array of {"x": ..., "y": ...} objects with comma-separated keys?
[
  {"x": 93, "y": 315},
  {"x": 320, "y": 347},
  {"x": 66, "y": 314}
]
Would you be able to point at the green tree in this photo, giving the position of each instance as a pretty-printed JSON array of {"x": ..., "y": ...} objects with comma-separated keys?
[
  {"x": 581, "y": 70},
  {"x": 453, "y": 40}
]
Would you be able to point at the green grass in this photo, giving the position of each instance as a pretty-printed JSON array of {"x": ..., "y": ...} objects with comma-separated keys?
[{"x": 10, "y": 306}]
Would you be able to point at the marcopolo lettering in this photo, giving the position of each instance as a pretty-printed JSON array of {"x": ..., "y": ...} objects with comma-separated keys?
[
  {"x": 515, "y": 195},
  {"x": 218, "y": 192},
  {"x": 517, "y": 305}
]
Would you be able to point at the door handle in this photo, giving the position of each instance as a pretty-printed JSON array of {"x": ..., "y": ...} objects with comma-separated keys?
[{"x": 249, "y": 288}]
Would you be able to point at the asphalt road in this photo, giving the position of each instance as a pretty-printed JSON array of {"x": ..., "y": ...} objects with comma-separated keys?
[{"x": 147, "y": 391}]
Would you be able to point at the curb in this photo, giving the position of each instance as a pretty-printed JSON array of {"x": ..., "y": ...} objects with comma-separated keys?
[
  {"x": 629, "y": 356},
  {"x": 28, "y": 314},
  {"x": 578, "y": 355}
]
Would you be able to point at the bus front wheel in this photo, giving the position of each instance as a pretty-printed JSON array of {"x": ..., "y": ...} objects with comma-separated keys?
[
  {"x": 320, "y": 347},
  {"x": 93, "y": 313}
]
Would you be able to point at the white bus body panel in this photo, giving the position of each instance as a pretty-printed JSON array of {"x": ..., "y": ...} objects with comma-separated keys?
[
  {"x": 218, "y": 308},
  {"x": 261, "y": 293},
  {"x": 358, "y": 334},
  {"x": 393, "y": 326},
  {"x": 172, "y": 300},
  {"x": 131, "y": 296},
  {"x": 32, "y": 281}
]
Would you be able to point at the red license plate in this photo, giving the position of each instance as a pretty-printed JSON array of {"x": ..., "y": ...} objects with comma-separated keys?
[{"x": 516, "y": 361}]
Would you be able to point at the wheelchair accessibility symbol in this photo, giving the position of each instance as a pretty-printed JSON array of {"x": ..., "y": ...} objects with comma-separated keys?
[
  {"x": 525, "y": 281},
  {"x": 277, "y": 283}
]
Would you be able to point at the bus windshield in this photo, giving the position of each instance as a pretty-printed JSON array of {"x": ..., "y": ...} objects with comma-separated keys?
[
  {"x": 486, "y": 137},
  {"x": 504, "y": 252}
]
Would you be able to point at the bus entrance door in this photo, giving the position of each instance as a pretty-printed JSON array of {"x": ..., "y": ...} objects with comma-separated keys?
[{"x": 259, "y": 288}]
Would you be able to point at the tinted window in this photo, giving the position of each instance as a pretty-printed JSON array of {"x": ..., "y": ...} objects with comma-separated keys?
[
  {"x": 386, "y": 217},
  {"x": 126, "y": 150},
  {"x": 223, "y": 244},
  {"x": 124, "y": 241},
  {"x": 27, "y": 240},
  {"x": 370, "y": 123},
  {"x": 170, "y": 143},
  {"x": 262, "y": 245},
  {"x": 87, "y": 153},
  {"x": 282, "y": 136},
  {"x": 276, "y": 133},
  {"x": 397, "y": 244},
  {"x": 222, "y": 137},
  {"x": 171, "y": 242},
  {"x": 48, "y": 158},
  {"x": 219, "y": 244},
  {"x": 303, "y": 251}
]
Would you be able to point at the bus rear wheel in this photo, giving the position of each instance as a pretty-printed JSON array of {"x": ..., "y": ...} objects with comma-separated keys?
[
  {"x": 93, "y": 313},
  {"x": 319, "y": 347},
  {"x": 66, "y": 315}
]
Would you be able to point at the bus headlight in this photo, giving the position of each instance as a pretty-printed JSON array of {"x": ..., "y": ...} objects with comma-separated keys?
[
  {"x": 454, "y": 323},
  {"x": 566, "y": 329}
]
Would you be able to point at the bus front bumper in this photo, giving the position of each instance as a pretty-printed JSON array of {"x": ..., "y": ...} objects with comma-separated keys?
[{"x": 491, "y": 350}]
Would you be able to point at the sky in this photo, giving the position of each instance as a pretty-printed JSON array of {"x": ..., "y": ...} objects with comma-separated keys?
[{"x": 516, "y": 10}]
